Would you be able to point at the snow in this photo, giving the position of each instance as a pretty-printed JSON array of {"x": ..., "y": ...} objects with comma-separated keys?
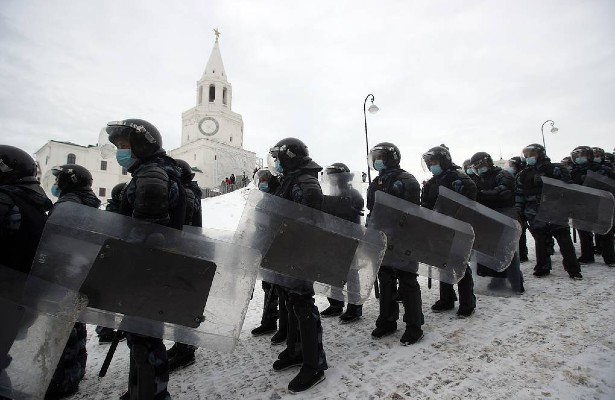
[{"x": 556, "y": 341}]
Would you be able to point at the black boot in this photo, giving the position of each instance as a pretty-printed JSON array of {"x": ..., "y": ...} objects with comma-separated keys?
[
  {"x": 305, "y": 380},
  {"x": 384, "y": 330},
  {"x": 264, "y": 329},
  {"x": 332, "y": 312},
  {"x": 279, "y": 337},
  {"x": 183, "y": 357},
  {"x": 440, "y": 306},
  {"x": 353, "y": 313}
]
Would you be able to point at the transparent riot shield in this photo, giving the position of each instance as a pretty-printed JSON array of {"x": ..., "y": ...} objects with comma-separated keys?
[
  {"x": 334, "y": 184},
  {"x": 147, "y": 278},
  {"x": 597, "y": 181},
  {"x": 304, "y": 246},
  {"x": 420, "y": 240},
  {"x": 37, "y": 318},
  {"x": 496, "y": 235},
  {"x": 584, "y": 208}
]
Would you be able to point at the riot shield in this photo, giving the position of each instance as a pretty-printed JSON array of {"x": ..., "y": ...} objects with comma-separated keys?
[
  {"x": 304, "y": 246},
  {"x": 420, "y": 240},
  {"x": 496, "y": 235},
  {"x": 583, "y": 207},
  {"x": 597, "y": 181},
  {"x": 149, "y": 279},
  {"x": 37, "y": 318}
]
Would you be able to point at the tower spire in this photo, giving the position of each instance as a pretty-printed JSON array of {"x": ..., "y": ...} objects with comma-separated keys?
[{"x": 215, "y": 67}]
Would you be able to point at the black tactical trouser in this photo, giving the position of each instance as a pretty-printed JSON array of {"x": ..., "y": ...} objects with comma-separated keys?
[
  {"x": 587, "y": 245},
  {"x": 149, "y": 367},
  {"x": 562, "y": 235},
  {"x": 304, "y": 338},
  {"x": 410, "y": 293},
  {"x": 523, "y": 242},
  {"x": 467, "y": 300},
  {"x": 270, "y": 307}
]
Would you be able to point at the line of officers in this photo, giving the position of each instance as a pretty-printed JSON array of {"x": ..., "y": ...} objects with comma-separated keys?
[{"x": 162, "y": 191}]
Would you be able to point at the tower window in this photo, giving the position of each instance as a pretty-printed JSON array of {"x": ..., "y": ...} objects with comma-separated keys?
[
  {"x": 103, "y": 165},
  {"x": 200, "y": 95},
  {"x": 71, "y": 159},
  {"x": 102, "y": 192},
  {"x": 230, "y": 139},
  {"x": 212, "y": 93},
  {"x": 224, "y": 96}
]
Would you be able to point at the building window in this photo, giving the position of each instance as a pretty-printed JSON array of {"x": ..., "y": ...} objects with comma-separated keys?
[
  {"x": 103, "y": 165},
  {"x": 102, "y": 192},
  {"x": 200, "y": 95},
  {"x": 231, "y": 139},
  {"x": 46, "y": 160},
  {"x": 124, "y": 172},
  {"x": 71, "y": 159},
  {"x": 224, "y": 96},
  {"x": 212, "y": 93},
  {"x": 195, "y": 156}
]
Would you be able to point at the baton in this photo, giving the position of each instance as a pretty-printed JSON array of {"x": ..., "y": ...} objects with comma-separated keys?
[{"x": 105, "y": 366}]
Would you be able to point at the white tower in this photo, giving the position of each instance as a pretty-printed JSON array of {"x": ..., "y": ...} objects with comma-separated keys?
[
  {"x": 212, "y": 134},
  {"x": 213, "y": 118}
]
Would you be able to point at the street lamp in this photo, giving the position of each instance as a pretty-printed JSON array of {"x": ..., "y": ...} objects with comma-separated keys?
[
  {"x": 372, "y": 109},
  {"x": 553, "y": 130}
]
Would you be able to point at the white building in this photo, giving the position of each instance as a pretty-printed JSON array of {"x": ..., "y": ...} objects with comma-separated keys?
[
  {"x": 212, "y": 141},
  {"x": 106, "y": 173},
  {"x": 212, "y": 133}
]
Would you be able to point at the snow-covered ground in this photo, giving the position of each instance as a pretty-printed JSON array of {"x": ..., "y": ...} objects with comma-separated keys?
[{"x": 556, "y": 341}]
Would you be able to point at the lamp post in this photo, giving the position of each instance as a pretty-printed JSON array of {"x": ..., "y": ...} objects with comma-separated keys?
[
  {"x": 372, "y": 109},
  {"x": 553, "y": 130}
]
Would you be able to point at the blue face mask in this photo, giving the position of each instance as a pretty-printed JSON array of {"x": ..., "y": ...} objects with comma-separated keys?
[
  {"x": 124, "y": 158},
  {"x": 379, "y": 165},
  {"x": 435, "y": 169},
  {"x": 469, "y": 171},
  {"x": 531, "y": 160},
  {"x": 263, "y": 187},
  {"x": 483, "y": 170},
  {"x": 580, "y": 160},
  {"x": 598, "y": 159},
  {"x": 278, "y": 166},
  {"x": 55, "y": 190}
]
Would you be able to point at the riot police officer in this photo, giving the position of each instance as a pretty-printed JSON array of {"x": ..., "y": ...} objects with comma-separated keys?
[
  {"x": 73, "y": 184},
  {"x": 154, "y": 194},
  {"x": 23, "y": 207},
  {"x": 496, "y": 190},
  {"x": 528, "y": 190},
  {"x": 445, "y": 173},
  {"x": 344, "y": 202},
  {"x": 391, "y": 179},
  {"x": 268, "y": 183},
  {"x": 299, "y": 183},
  {"x": 181, "y": 355},
  {"x": 583, "y": 158},
  {"x": 514, "y": 165},
  {"x": 106, "y": 335}
]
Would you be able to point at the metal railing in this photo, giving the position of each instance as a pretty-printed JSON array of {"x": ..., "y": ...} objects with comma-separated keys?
[{"x": 223, "y": 189}]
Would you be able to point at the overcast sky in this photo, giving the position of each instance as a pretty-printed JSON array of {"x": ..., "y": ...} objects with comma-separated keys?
[{"x": 475, "y": 75}]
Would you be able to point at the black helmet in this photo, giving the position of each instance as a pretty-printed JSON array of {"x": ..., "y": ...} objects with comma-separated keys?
[
  {"x": 534, "y": 147},
  {"x": 567, "y": 162},
  {"x": 516, "y": 162},
  {"x": 187, "y": 173},
  {"x": 337, "y": 168},
  {"x": 387, "y": 152},
  {"x": 598, "y": 153},
  {"x": 145, "y": 140},
  {"x": 609, "y": 158},
  {"x": 582, "y": 151},
  {"x": 116, "y": 192},
  {"x": 440, "y": 154},
  {"x": 481, "y": 159},
  {"x": 15, "y": 164},
  {"x": 262, "y": 174},
  {"x": 291, "y": 152},
  {"x": 72, "y": 176},
  {"x": 467, "y": 164}
]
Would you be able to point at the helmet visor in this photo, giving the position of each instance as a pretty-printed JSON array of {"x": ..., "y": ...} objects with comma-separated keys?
[{"x": 377, "y": 153}]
